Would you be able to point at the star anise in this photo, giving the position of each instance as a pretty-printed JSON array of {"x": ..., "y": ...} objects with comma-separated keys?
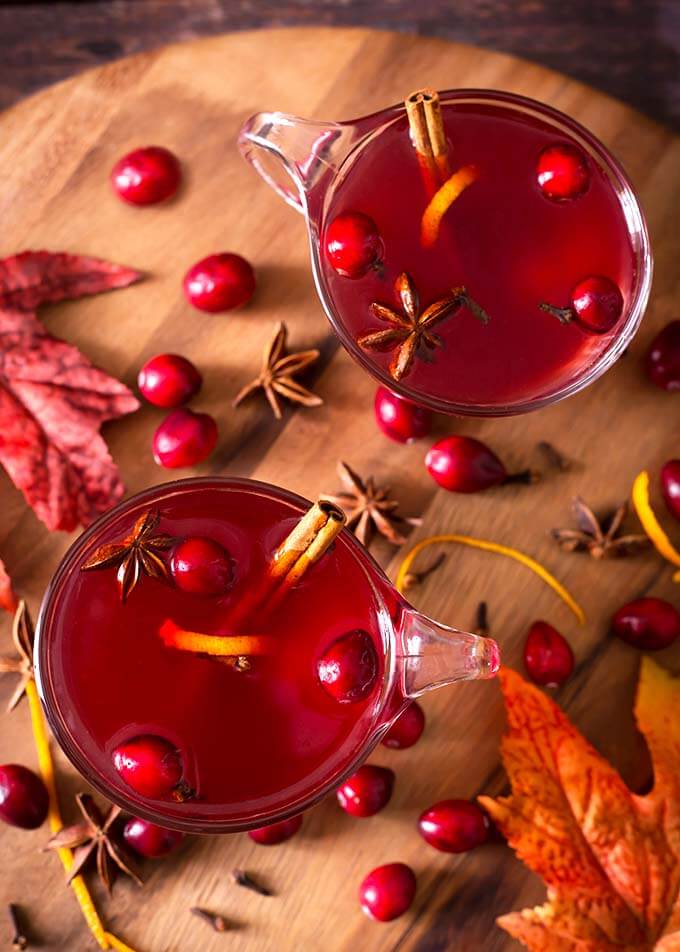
[
  {"x": 93, "y": 835},
  {"x": 410, "y": 333},
  {"x": 598, "y": 537},
  {"x": 277, "y": 376},
  {"x": 23, "y": 636},
  {"x": 136, "y": 555},
  {"x": 369, "y": 508}
]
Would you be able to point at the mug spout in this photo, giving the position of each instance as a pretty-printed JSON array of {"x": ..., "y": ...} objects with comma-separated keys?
[
  {"x": 433, "y": 654},
  {"x": 293, "y": 155}
]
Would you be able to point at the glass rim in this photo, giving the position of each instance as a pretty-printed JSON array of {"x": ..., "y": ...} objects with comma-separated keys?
[
  {"x": 64, "y": 736},
  {"x": 639, "y": 237}
]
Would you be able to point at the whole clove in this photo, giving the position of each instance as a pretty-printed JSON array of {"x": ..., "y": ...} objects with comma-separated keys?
[
  {"x": 553, "y": 457},
  {"x": 241, "y": 878},
  {"x": 411, "y": 579},
  {"x": 216, "y": 922},
  {"x": 482, "y": 621},
  {"x": 19, "y": 940}
]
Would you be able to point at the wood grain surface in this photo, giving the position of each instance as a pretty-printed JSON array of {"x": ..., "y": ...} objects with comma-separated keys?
[
  {"x": 55, "y": 152},
  {"x": 628, "y": 48}
]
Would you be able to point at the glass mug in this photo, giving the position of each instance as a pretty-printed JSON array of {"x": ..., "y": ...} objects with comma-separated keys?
[
  {"x": 256, "y": 743},
  {"x": 513, "y": 246}
]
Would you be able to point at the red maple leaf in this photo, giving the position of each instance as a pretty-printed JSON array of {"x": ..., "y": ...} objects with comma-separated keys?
[
  {"x": 8, "y": 599},
  {"x": 52, "y": 400}
]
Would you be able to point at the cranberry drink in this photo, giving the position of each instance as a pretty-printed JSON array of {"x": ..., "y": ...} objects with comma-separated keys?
[
  {"x": 498, "y": 282},
  {"x": 181, "y": 695}
]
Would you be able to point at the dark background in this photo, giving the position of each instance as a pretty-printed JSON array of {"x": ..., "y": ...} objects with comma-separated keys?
[{"x": 629, "y": 48}]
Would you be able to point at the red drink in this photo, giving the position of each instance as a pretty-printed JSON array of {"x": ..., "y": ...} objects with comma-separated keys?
[
  {"x": 253, "y": 743},
  {"x": 511, "y": 242}
]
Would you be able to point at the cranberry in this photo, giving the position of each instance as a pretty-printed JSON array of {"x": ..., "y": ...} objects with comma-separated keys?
[
  {"x": 146, "y": 176},
  {"x": 663, "y": 358},
  {"x": 353, "y": 244},
  {"x": 647, "y": 623},
  {"x": 276, "y": 832},
  {"x": 454, "y": 826},
  {"x": 548, "y": 657},
  {"x": 149, "y": 764},
  {"x": 400, "y": 419},
  {"x": 169, "y": 380},
  {"x": 349, "y": 667},
  {"x": 219, "y": 283},
  {"x": 407, "y": 728},
  {"x": 462, "y": 464},
  {"x": 201, "y": 566},
  {"x": 670, "y": 486},
  {"x": 367, "y": 791},
  {"x": 149, "y": 840},
  {"x": 23, "y": 797},
  {"x": 388, "y": 891},
  {"x": 562, "y": 172},
  {"x": 184, "y": 438},
  {"x": 596, "y": 305}
]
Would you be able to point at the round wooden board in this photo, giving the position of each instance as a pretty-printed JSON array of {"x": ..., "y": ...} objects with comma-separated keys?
[{"x": 55, "y": 151}]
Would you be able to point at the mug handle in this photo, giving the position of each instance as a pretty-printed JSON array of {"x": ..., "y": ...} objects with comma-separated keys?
[{"x": 291, "y": 154}]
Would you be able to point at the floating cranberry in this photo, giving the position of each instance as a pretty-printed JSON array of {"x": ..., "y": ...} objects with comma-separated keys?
[
  {"x": 23, "y": 797},
  {"x": 353, "y": 244},
  {"x": 184, "y": 438},
  {"x": 146, "y": 176},
  {"x": 276, "y": 832},
  {"x": 407, "y": 728},
  {"x": 169, "y": 380},
  {"x": 670, "y": 486},
  {"x": 219, "y": 283},
  {"x": 462, "y": 464},
  {"x": 562, "y": 172},
  {"x": 548, "y": 657},
  {"x": 596, "y": 305},
  {"x": 367, "y": 791},
  {"x": 149, "y": 840},
  {"x": 400, "y": 419},
  {"x": 149, "y": 764},
  {"x": 663, "y": 358},
  {"x": 201, "y": 566},
  {"x": 388, "y": 891},
  {"x": 454, "y": 826},
  {"x": 647, "y": 623},
  {"x": 349, "y": 667}
]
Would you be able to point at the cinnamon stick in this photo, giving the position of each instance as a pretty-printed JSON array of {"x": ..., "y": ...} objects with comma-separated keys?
[
  {"x": 304, "y": 535},
  {"x": 303, "y": 546},
  {"x": 423, "y": 109},
  {"x": 299, "y": 558}
]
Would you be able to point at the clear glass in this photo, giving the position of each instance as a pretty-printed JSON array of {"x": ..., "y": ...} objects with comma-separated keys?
[
  {"x": 304, "y": 160},
  {"x": 419, "y": 654}
]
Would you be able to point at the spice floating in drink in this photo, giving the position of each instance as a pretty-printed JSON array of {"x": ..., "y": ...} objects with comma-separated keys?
[
  {"x": 516, "y": 232},
  {"x": 203, "y": 702}
]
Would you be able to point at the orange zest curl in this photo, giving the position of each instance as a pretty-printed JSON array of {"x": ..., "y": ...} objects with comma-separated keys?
[
  {"x": 104, "y": 939},
  {"x": 222, "y": 646},
  {"x": 515, "y": 554},
  {"x": 442, "y": 200},
  {"x": 650, "y": 523}
]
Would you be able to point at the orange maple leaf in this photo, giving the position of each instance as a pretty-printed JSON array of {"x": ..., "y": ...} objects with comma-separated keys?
[{"x": 610, "y": 858}]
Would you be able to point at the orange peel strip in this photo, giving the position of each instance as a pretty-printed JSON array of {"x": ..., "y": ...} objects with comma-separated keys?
[
  {"x": 511, "y": 553},
  {"x": 105, "y": 940},
  {"x": 442, "y": 200},
  {"x": 651, "y": 525},
  {"x": 218, "y": 645}
]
